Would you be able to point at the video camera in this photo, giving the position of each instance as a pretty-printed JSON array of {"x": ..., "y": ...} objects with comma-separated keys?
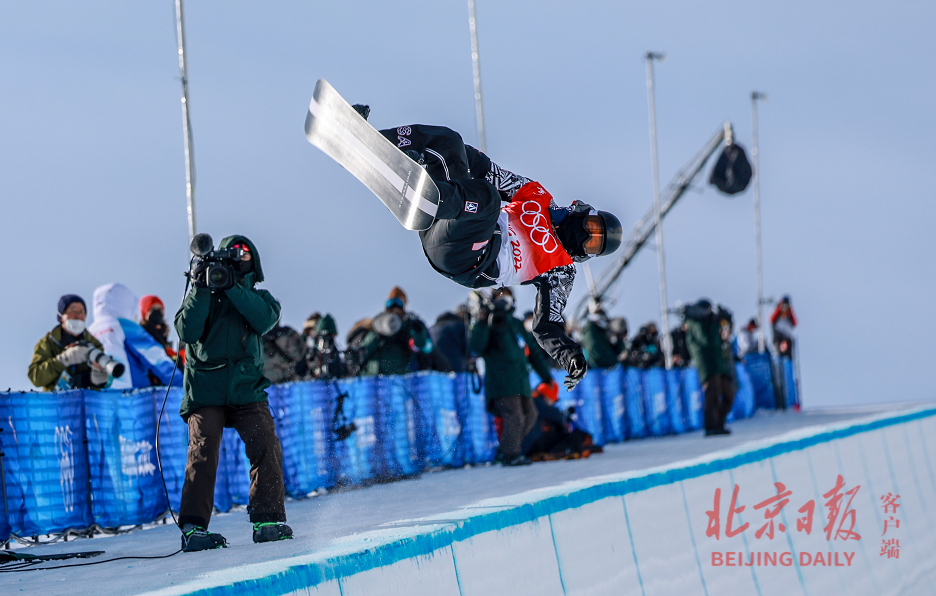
[
  {"x": 219, "y": 264},
  {"x": 96, "y": 356}
]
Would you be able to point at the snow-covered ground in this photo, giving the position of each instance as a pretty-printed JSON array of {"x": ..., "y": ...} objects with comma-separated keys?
[{"x": 319, "y": 522}]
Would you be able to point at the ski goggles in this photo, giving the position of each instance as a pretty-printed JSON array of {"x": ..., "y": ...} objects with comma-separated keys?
[{"x": 596, "y": 236}]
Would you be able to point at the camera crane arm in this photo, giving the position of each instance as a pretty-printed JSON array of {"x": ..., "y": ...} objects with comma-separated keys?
[{"x": 644, "y": 229}]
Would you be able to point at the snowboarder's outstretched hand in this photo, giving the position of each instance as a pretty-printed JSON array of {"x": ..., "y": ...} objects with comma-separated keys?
[{"x": 577, "y": 369}]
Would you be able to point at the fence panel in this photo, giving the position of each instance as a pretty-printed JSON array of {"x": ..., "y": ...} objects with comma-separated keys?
[
  {"x": 427, "y": 389},
  {"x": 636, "y": 422},
  {"x": 612, "y": 404},
  {"x": 674, "y": 400},
  {"x": 588, "y": 411},
  {"x": 396, "y": 429},
  {"x": 304, "y": 413},
  {"x": 478, "y": 438},
  {"x": 173, "y": 442},
  {"x": 744, "y": 397},
  {"x": 357, "y": 455},
  {"x": 125, "y": 482},
  {"x": 788, "y": 375},
  {"x": 654, "y": 395},
  {"x": 760, "y": 369},
  {"x": 45, "y": 464},
  {"x": 692, "y": 399}
]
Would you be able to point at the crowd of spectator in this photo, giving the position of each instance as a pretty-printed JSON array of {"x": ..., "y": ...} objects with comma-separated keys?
[{"x": 483, "y": 335}]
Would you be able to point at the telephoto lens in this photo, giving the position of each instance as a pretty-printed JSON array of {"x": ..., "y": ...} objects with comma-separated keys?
[{"x": 111, "y": 366}]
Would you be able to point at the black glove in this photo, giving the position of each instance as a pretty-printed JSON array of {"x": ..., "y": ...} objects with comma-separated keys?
[
  {"x": 199, "y": 275},
  {"x": 577, "y": 369}
]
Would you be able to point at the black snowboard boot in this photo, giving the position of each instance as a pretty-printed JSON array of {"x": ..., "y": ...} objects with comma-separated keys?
[
  {"x": 195, "y": 538},
  {"x": 271, "y": 532}
]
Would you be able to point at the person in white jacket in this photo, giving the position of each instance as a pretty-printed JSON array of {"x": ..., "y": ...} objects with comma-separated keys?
[{"x": 115, "y": 326}]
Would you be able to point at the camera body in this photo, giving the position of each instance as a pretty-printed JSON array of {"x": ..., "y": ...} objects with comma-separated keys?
[
  {"x": 96, "y": 356},
  {"x": 220, "y": 265}
]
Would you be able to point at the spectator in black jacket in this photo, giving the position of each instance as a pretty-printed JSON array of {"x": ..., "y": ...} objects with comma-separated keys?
[
  {"x": 681, "y": 356},
  {"x": 645, "y": 348},
  {"x": 450, "y": 337}
]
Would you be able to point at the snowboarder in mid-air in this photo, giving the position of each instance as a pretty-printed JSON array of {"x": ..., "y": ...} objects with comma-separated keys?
[{"x": 477, "y": 243}]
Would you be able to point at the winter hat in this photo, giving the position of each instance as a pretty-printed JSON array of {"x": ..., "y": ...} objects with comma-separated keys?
[
  {"x": 398, "y": 294},
  {"x": 326, "y": 325},
  {"x": 66, "y": 301},
  {"x": 147, "y": 302}
]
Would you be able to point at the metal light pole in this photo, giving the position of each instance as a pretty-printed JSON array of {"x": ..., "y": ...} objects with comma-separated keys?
[
  {"x": 761, "y": 342},
  {"x": 186, "y": 122},
  {"x": 657, "y": 212},
  {"x": 476, "y": 71}
]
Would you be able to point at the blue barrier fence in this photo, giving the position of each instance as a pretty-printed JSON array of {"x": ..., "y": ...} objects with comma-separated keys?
[{"x": 74, "y": 459}]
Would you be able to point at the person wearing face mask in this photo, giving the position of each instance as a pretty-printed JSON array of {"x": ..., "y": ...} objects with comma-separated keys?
[
  {"x": 499, "y": 337},
  {"x": 477, "y": 243},
  {"x": 60, "y": 359},
  {"x": 225, "y": 387},
  {"x": 153, "y": 319}
]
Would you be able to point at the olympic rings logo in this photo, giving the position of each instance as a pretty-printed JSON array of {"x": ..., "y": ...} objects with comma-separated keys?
[{"x": 540, "y": 227}]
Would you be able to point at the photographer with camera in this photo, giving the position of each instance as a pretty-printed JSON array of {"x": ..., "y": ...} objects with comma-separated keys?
[
  {"x": 153, "y": 319},
  {"x": 706, "y": 339},
  {"x": 326, "y": 360},
  {"x": 645, "y": 349},
  {"x": 596, "y": 338},
  {"x": 397, "y": 337},
  {"x": 145, "y": 359},
  {"x": 222, "y": 321},
  {"x": 500, "y": 338},
  {"x": 61, "y": 358}
]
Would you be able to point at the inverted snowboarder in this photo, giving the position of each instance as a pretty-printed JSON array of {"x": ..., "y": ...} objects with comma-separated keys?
[
  {"x": 477, "y": 243},
  {"x": 466, "y": 235}
]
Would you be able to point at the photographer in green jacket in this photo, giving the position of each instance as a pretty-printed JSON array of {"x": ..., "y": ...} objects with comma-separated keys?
[
  {"x": 225, "y": 387},
  {"x": 500, "y": 338}
]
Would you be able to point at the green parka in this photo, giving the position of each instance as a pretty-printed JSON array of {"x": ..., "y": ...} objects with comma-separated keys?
[
  {"x": 223, "y": 333},
  {"x": 45, "y": 370},
  {"x": 596, "y": 342},
  {"x": 393, "y": 355},
  {"x": 703, "y": 338},
  {"x": 504, "y": 347}
]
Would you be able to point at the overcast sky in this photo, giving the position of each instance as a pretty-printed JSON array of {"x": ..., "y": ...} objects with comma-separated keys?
[{"x": 92, "y": 177}]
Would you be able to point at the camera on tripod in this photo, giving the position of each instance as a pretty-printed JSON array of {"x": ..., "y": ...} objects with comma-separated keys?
[
  {"x": 107, "y": 363},
  {"x": 219, "y": 264}
]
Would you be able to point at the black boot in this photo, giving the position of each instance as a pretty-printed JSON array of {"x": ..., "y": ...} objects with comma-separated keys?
[
  {"x": 195, "y": 538},
  {"x": 271, "y": 532}
]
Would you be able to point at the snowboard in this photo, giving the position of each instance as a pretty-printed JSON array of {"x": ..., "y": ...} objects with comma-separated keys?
[
  {"x": 15, "y": 557},
  {"x": 400, "y": 183}
]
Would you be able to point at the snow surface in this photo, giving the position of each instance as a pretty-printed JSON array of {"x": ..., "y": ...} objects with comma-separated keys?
[{"x": 330, "y": 522}]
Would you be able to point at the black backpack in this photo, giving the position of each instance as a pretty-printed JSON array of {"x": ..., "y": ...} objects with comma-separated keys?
[{"x": 732, "y": 172}]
